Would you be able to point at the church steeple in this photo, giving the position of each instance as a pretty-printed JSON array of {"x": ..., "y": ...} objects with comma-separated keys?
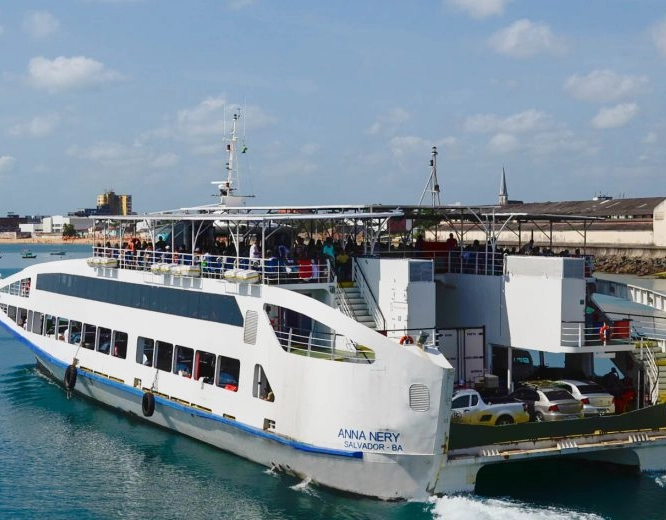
[{"x": 503, "y": 194}]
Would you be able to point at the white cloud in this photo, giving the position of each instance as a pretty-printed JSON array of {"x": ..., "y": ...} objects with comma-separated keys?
[
  {"x": 523, "y": 39},
  {"x": 390, "y": 122},
  {"x": 165, "y": 160},
  {"x": 526, "y": 121},
  {"x": 503, "y": 143},
  {"x": 616, "y": 116},
  {"x": 40, "y": 24},
  {"x": 104, "y": 152},
  {"x": 38, "y": 126},
  {"x": 651, "y": 138},
  {"x": 404, "y": 145},
  {"x": 69, "y": 73},
  {"x": 310, "y": 149},
  {"x": 7, "y": 163},
  {"x": 480, "y": 8},
  {"x": 604, "y": 85},
  {"x": 658, "y": 34}
]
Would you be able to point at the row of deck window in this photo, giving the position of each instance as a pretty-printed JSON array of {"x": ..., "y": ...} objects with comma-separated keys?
[{"x": 161, "y": 355}]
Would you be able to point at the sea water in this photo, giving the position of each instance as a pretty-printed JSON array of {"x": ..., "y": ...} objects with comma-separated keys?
[{"x": 72, "y": 458}]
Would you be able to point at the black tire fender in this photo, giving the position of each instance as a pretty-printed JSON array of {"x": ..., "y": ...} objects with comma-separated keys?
[
  {"x": 148, "y": 404},
  {"x": 70, "y": 377}
]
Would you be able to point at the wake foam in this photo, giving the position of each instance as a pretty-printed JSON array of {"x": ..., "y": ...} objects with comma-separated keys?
[{"x": 477, "y": 508}]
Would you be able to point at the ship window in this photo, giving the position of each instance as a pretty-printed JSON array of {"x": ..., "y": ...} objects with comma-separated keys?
[
  {"x": 21, "y": 317},
  {"x": 145, "y": 350},
  {"x": 37, "y": 322},
  {"x": 104, "y": 340},
  {"x": 205, "y": 367},
  {"x": 75, "y": 328},
  {"x": 28, "y": 323},
  {"x": 228, "y": 372},
  {"x": 88, "y": 337},
  {"x": 184, "y": 360},
  {"x": 63, "y": 326},
  {"x": 49, "y": 325},
  {"x": 119, "y": 344},
  {"x": 164, "y": 356},
  {"x": 11, "y": 312},
  {"x": 261, "y": 387}
]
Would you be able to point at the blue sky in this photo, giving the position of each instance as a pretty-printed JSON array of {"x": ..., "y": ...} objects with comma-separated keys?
[{"x": 341, "y": 101}]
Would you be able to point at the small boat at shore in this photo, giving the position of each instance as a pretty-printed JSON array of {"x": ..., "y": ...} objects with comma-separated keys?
[{"x": 26, "y": 253}]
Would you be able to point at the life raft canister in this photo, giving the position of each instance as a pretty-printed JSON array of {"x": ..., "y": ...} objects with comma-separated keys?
[
  {"x": 406, "y": 340},
  {"x": 148, "y": 404},
  {"x": 70, "y": 377}
]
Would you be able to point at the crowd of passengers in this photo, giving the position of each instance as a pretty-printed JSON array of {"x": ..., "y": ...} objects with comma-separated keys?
[
  {"x": 222, "y": 255},
  {"x": 311, "y": 255}
]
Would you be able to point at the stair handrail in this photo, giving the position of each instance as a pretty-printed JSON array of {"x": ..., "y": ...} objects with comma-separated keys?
[
  {"x": 651, "y": 370},
  {"x": 364, "y": 288}
]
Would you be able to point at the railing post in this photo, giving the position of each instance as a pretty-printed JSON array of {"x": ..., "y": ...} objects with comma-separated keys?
[
  {"x": 289, "y": 340},
  {"x": 581, "y": 334}
]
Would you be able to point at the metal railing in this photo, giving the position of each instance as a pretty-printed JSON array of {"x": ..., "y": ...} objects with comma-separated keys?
[
  {"x": 651, "y": 370},
  {"x": 364, "y": 288},
  {"x": 324, "y": 346},
  {"x": 205, "y": 265},
  {"x": 578, "y": 334}
]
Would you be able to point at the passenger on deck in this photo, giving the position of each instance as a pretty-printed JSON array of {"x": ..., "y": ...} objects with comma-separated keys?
[{"x": 451, "y": 243}]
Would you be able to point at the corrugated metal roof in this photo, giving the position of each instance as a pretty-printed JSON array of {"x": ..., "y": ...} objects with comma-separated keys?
[{"x": 604, "y": 208}]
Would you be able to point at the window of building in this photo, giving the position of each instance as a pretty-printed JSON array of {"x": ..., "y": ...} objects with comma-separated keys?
[
  {"x": 228, "y": 373},
  {"x": 145, "y": 351}
]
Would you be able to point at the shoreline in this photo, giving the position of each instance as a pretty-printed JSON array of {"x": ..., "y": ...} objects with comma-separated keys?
[{"x": 45, "y": 240}]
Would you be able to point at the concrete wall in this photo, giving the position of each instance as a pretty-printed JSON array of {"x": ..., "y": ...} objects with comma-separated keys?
[{"x": 660, "y": 225}]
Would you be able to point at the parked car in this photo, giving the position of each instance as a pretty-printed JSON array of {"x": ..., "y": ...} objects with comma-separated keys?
[
  {"x": 470, "y": 407},
  {"x": 596, "y": 400},
  {"x": 549, "y": 403}
]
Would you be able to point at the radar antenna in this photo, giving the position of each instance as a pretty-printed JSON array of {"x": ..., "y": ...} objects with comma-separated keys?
[{"x": 432, "y": 186}]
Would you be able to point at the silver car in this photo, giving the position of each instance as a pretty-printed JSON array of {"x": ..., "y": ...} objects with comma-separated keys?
[
  {"x": 549, "y": 403},
  {"x": 596, "y": 400}
]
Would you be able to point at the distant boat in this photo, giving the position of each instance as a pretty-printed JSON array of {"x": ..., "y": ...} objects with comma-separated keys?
[
  {"x": 26, "y": 253},
  {"x": 59, "y": 252}
]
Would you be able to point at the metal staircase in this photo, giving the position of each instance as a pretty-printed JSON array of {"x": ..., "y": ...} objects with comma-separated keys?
[
  {"x": 651, "y": 354},
  {"x": 351, "y": 302}
]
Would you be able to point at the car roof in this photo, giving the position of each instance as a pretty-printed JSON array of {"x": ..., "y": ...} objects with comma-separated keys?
[{"x": 576, "y": 382}]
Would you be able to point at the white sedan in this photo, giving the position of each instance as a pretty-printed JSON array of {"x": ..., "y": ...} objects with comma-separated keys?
[{"x": 596, "y": 400}]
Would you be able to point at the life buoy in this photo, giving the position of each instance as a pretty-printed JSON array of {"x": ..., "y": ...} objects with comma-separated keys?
[
  {"x": 70, "y": 377},
  {"x": 406, "y": 340},
  {"x": 148, "y": 404},
  {"x": 605, "y": 332}
]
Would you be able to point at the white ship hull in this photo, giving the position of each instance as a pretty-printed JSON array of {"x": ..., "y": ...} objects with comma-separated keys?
[{"x": 354, "y": 433}]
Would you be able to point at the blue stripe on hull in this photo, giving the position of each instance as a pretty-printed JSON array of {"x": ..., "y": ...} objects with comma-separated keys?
[{"x": 194, "y": 411}]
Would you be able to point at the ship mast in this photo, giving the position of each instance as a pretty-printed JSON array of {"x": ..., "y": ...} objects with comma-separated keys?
[
  {"x": 229, "y": 186},
  {"x": 432, "y": 185}
]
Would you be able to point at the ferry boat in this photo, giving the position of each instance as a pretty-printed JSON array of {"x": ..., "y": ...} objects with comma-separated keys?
[{"x": 328, "y": 368}]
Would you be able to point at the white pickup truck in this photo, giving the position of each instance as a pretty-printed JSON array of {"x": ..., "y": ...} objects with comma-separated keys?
[{"x": 469, "y": 407}]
